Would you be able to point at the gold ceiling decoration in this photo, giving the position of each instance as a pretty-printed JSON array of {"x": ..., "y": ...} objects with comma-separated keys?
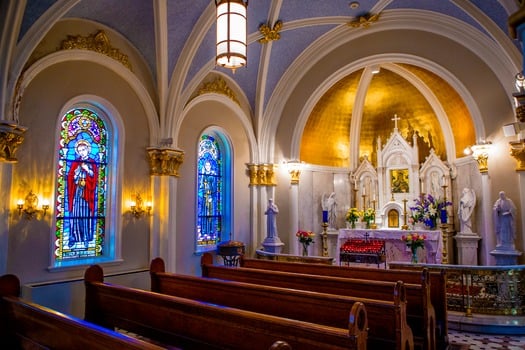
[
  {"x": 98, "y": 42},
  {"x": 218, "y": 86},
  {"x": 364, "y": 21},
  {"x": 326, "y": 136},
  {"x": 270, "y": 34}
]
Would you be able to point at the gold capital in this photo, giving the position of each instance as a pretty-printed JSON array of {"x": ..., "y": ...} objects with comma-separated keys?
[
  {"x": 517, "y": 150},
  {"x": 165, "y": 161}
]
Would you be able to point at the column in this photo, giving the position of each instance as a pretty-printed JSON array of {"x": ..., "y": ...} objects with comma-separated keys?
[
  {"x": 164, "y": 169},
  {"x": 11, "y": 137}
]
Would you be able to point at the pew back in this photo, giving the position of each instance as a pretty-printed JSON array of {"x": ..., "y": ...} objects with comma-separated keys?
[
  {"x": 382, "y": 324},
  {"x": 433, "y": 287},
  {"x": 326, "y": 309},
  {"x": 25, "y": 325},
  {"x": 199, "y": 325}
]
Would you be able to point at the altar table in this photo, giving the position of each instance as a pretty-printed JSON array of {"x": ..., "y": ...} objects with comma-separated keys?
[{"x": 395, "y": 247}]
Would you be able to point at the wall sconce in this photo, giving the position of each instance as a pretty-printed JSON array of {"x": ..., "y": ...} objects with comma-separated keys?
[
  {"x": 231, "y": 33},
  {"x": 138, "y": 207},
  {"x": 294, "y": 169},
  {"x": 480, "y": 152},
  {"x": 29, "y": 206}
]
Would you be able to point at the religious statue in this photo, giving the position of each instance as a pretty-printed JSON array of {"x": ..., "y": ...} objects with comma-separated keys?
[
  {"x": 504, "y": 220},
  {"x": 330, "y": 204},
  {"x": 271, "y": 219},
  {"x": 466, "y": 208}
]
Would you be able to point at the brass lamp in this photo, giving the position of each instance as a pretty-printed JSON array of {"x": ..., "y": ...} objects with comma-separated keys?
[{"x": 231, "y": 33}]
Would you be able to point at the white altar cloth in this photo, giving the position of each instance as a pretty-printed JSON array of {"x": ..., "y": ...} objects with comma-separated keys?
[{"x": 395, "y": 248}]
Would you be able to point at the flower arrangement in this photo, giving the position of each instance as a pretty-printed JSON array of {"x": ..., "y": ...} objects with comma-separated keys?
[
  {"x": 414, "y": 241},
  {"x": 369, "y": 216},
  {"x": 427, "y": 209},
  {"x": 352, "y": 215},
  {"x": 305, "y": 238}
]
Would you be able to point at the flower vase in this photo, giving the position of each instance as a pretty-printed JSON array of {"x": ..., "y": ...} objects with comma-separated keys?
[
  {"x": 432, "y": 224},
  {"x": 305, "y": 249},
  {"x": 353, "y": 224},
  {"x": 367, "y": 224},
  {"x": 414, "y": 255}
]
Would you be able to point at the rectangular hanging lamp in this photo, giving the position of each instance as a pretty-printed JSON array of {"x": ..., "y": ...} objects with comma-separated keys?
[{"x": 231, "y": 33}]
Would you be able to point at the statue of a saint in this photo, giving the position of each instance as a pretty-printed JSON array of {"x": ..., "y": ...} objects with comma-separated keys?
[
  {"x": 271, "y": 219},
  {"x": 504, "y": 220},
  {"x": 466, "y": 208},
  {"x": 330, "y": 204}
]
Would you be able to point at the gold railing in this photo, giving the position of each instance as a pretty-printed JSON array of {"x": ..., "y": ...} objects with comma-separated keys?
[{"x": 488, "y": 290}]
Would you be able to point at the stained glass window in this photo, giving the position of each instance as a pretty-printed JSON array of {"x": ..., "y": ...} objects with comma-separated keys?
[
  {"x": 81, "y": 186},
  {"x": 209, "y": 193}
]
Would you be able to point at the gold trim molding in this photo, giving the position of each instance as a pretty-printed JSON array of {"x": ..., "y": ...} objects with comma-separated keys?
[
  {"x": 11, "y": 137},
  {"x": 364, "y": 21},
  {"x": 98, "y": 42},
  {"x": 218, "y": 86},
  {"x": 270, "y": 34},
  {"x": 165, "y": 161},
  {"x": 517, "y": 150},
  {"x": 262, "y": 174}
]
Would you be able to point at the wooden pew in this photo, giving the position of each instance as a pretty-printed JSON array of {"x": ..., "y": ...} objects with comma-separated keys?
[
  {"x": 438, "y": 296},
  {"x": 380, "y": 290},
  {"x": 326, "y": 309},
  {"x": 433, "y": 287},
  {"x": 192, "y": 324},
  {"x": 388, "y": 326},
  {"x": 26, "y": 325}
]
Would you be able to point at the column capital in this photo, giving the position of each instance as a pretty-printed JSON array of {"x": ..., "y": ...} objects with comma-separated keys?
[
  {"x": 11, "y": 137},
  {"x": 517, "y": 150},
  {"x": 262, "y": 174},
  {"x": 165, "y": 161}
]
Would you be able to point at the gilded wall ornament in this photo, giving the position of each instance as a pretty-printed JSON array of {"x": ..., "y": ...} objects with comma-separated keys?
[
  {"x": 270, "y": 34},
  {"x": 364, "y": 21},
  {"x": 98, "y": 42},
  {"x": 218, "y": 86}
]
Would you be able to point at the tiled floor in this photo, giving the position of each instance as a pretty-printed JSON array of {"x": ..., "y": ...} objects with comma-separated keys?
[{"x": 487, "y": 341}]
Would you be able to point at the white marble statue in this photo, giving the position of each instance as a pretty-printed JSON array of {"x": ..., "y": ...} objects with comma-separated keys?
[
  {"x": 467, "y": 203},
  {"x": 330, "y": 204},
  {"x": 271, "y": 219},
  {"x": 504, "y": 220}
]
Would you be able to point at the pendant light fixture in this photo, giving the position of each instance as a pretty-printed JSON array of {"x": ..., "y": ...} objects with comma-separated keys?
[{"x": 231, "y": 33}]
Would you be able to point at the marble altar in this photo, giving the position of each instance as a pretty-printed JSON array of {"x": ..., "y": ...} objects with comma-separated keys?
[{"x": 395, "y": 248}]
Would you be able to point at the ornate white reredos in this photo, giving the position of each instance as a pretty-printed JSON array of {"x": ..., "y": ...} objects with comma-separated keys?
[
  {"x": 433, "y": 175},
  {"x": 379, "y": 186},
  {"x": 365, "y": 179}
]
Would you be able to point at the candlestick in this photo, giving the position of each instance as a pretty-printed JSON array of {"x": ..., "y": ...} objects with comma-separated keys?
[
  {"x": 405, "y": 226},
  {"x": 374, "y": 226}
]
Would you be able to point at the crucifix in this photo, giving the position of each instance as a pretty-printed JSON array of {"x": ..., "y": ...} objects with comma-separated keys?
[{"x": 395, "y": 119}]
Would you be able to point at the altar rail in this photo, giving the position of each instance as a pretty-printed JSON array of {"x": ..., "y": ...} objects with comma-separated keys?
[{"x": 483, "y": 290}]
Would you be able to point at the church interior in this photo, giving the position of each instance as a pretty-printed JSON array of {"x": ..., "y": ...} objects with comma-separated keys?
[{"x": 128, "y": 134}]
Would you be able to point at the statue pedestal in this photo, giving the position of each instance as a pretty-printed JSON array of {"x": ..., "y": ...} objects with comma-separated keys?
[
  {"x": 505, "y": 256},
  {"x": 272, "y": 244},
  {"x": 467, "y": 248}
]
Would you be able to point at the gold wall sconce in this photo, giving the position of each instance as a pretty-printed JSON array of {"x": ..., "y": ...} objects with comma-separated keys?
[
  {"x": 29, "y": 206},
  {"x": 138, "y": 207}
]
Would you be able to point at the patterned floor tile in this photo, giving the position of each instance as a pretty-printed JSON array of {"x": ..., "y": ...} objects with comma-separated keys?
[{"x": 487, "y": 341}]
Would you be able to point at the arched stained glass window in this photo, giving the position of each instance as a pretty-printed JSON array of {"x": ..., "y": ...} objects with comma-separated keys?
[
  {"x": 81, "y": 186},
  {"x": 209, "y": 193}
]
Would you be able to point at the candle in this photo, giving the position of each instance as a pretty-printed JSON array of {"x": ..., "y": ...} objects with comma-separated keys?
[
  {"x": 364, "y": 194},
  {"x": 325, "y": 215}
]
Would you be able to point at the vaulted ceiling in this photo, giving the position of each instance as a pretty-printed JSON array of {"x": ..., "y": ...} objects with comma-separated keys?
[{"x": 175, "y": 41}]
